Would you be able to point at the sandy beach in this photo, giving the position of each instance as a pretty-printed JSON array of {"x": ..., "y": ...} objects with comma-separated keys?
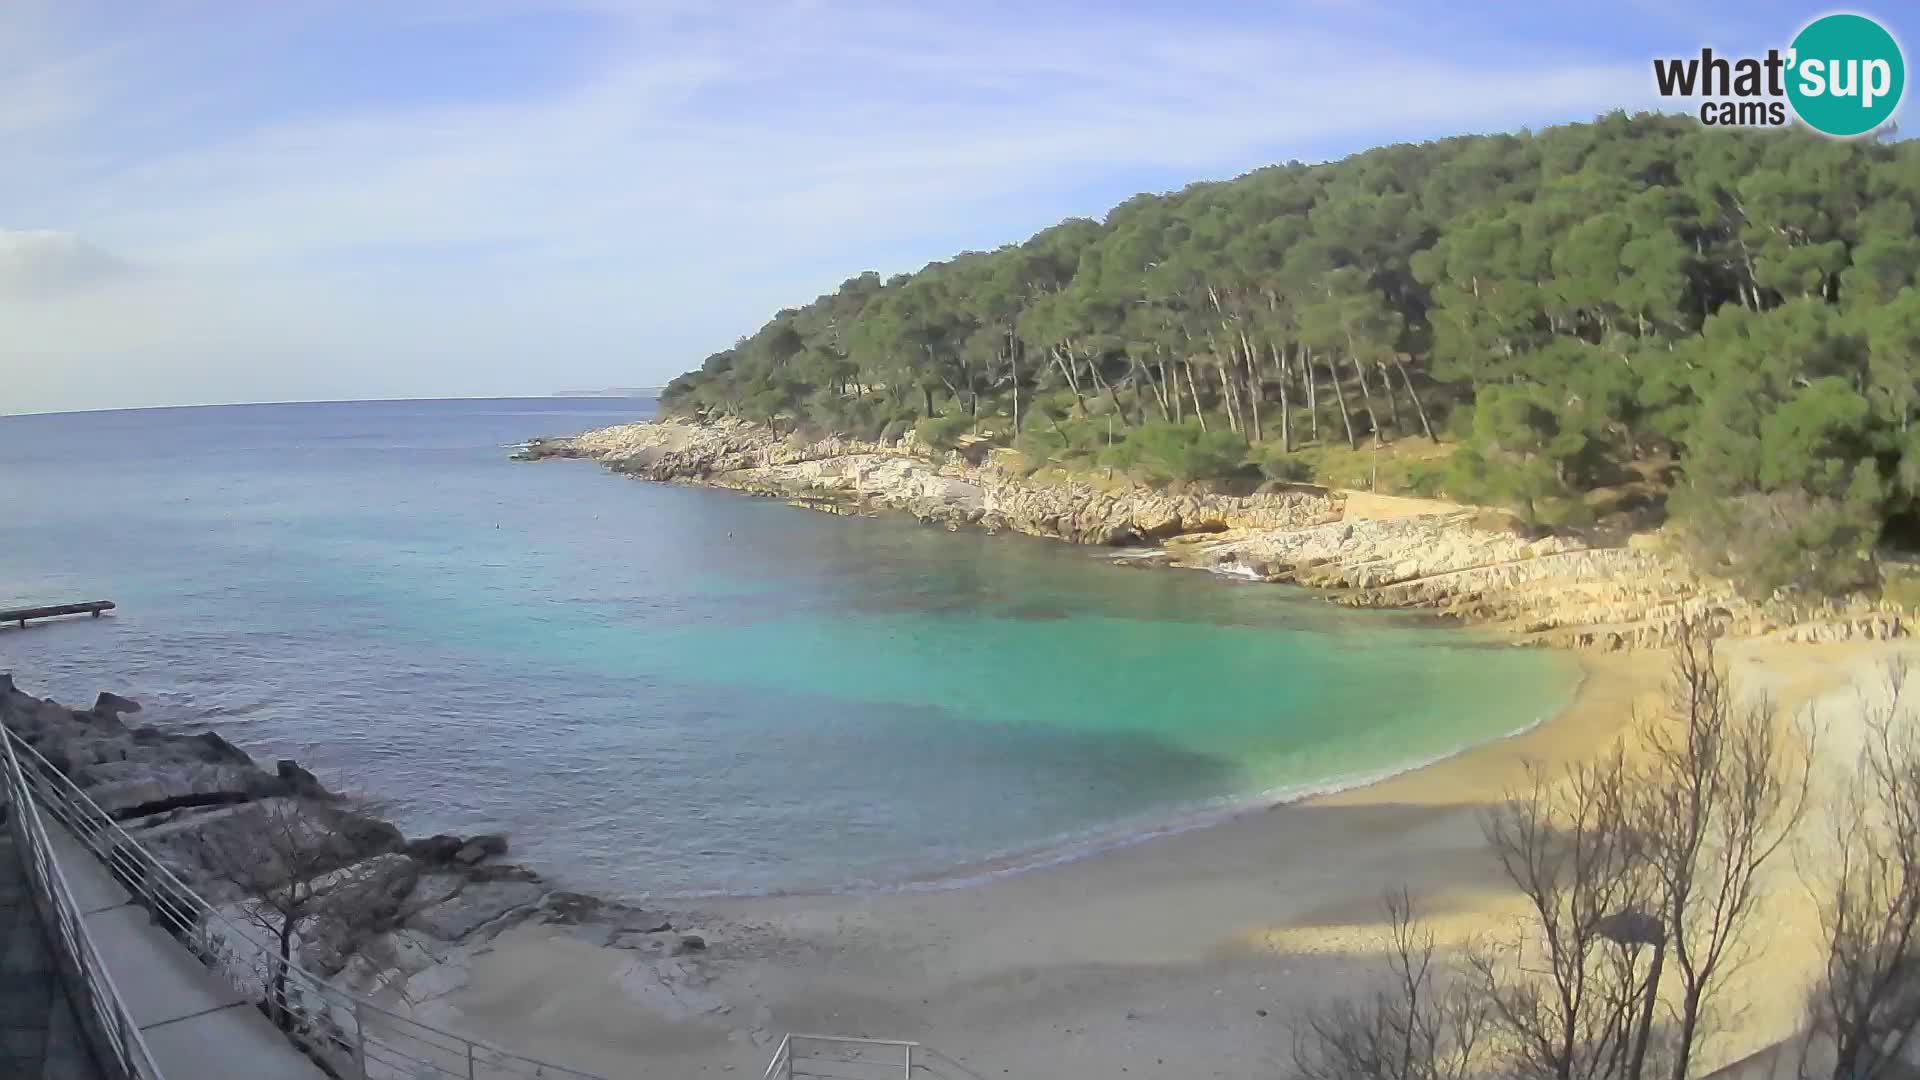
[{"x": 1180, "y": 956}]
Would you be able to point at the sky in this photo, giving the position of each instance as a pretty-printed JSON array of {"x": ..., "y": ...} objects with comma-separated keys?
[{"x": 230, "y": 201}]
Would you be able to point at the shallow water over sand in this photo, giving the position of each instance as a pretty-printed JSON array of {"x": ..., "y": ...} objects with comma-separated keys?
[{"x": 670, "y": 690}]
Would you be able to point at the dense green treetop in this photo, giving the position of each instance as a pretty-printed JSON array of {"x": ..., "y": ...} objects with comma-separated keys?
[{"x": 1724, "y": 321}]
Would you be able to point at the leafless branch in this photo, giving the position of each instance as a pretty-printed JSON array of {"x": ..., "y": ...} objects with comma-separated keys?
[
  {"x": 1724, "y": 788},
  {"x": 1867, "y": 1004},
  {"x": 273, "y": 861},
  {"x": 1419, "y": 1025}
]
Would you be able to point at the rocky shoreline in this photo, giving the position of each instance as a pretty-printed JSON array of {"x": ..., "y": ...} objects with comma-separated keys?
[
  {"x": 396, "y": 920},
  {"x": 404, "y": 921},
  {"x": 1590, "y": 589}
]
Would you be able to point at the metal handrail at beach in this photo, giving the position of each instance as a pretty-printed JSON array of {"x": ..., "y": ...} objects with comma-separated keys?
[
  {"x": 106, "y": 1020},
  {"x": 845, "y": 1057},
  {"x": 352, "y": 1036}
]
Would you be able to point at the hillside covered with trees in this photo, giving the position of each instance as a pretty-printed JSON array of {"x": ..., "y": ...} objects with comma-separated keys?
[{"x": 1638, "y": 318}]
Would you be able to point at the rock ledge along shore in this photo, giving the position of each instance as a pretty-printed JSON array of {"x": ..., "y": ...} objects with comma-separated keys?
[
  {"x": 1590, "y": 589},
  {"x": 397, "y": 920}
]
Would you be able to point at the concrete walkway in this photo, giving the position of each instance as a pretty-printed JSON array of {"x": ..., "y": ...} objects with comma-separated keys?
[
  {"x": 39, "y": 1036},
  {"x": 197, "y": 1026}
]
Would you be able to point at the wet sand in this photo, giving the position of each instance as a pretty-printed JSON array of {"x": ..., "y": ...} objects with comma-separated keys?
[{"x": 1180, "y": 956}]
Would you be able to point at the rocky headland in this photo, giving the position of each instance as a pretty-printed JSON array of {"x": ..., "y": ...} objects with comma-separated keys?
[{"x": 1585, "y": 588}]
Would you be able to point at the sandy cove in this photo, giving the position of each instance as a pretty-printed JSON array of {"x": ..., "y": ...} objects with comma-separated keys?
[
  {"x": 1179, "y": 956},
  {"x": 1183, "y": 955}
]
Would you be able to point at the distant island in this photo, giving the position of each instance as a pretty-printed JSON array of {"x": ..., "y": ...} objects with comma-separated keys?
[{"x": 612, "y": 391}]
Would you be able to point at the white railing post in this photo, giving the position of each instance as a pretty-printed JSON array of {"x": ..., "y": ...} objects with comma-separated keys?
[
  {"x": 359, "y": 1040},
  {"x": 867, "y": 1053}
]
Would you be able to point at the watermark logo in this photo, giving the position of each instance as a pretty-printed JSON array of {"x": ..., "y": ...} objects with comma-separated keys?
[{"x": 1843, "y": 75}]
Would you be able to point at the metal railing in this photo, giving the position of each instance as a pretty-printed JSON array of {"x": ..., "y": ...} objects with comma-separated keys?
[
  {"x": 113, "y": 1033},
  {"x": 843, "y": 1058},
  {"x": 352, "y": 1036}
]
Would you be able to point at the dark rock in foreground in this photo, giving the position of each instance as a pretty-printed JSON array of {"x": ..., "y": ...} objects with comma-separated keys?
[{"x": 387, "y": 908}]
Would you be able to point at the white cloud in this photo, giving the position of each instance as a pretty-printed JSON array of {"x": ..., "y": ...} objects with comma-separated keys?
[
  {"x": 712, "y": 169},
  {"x": 40, "y": 262}
]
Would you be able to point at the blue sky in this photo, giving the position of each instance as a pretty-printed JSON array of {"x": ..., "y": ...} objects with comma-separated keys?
[{"x": 238, "y": 201}]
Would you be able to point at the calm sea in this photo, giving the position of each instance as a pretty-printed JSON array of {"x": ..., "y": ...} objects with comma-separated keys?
[{"x": 668, "y": 690}]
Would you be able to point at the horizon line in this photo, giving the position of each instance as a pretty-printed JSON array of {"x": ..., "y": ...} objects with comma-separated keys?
[{"x": 555, "y": 396}]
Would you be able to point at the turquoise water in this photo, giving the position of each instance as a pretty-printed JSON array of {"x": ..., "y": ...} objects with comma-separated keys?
[{"x": 669, "y": 690}]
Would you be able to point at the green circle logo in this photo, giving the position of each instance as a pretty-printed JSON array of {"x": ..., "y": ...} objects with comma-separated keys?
[{"x": 1846, "y": 75}]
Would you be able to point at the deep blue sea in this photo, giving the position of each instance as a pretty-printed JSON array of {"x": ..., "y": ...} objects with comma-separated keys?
[{"x": 659, "y": 689}]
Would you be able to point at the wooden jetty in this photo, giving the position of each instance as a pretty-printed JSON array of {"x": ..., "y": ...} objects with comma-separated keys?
[{"x": 21, "y": 615}]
